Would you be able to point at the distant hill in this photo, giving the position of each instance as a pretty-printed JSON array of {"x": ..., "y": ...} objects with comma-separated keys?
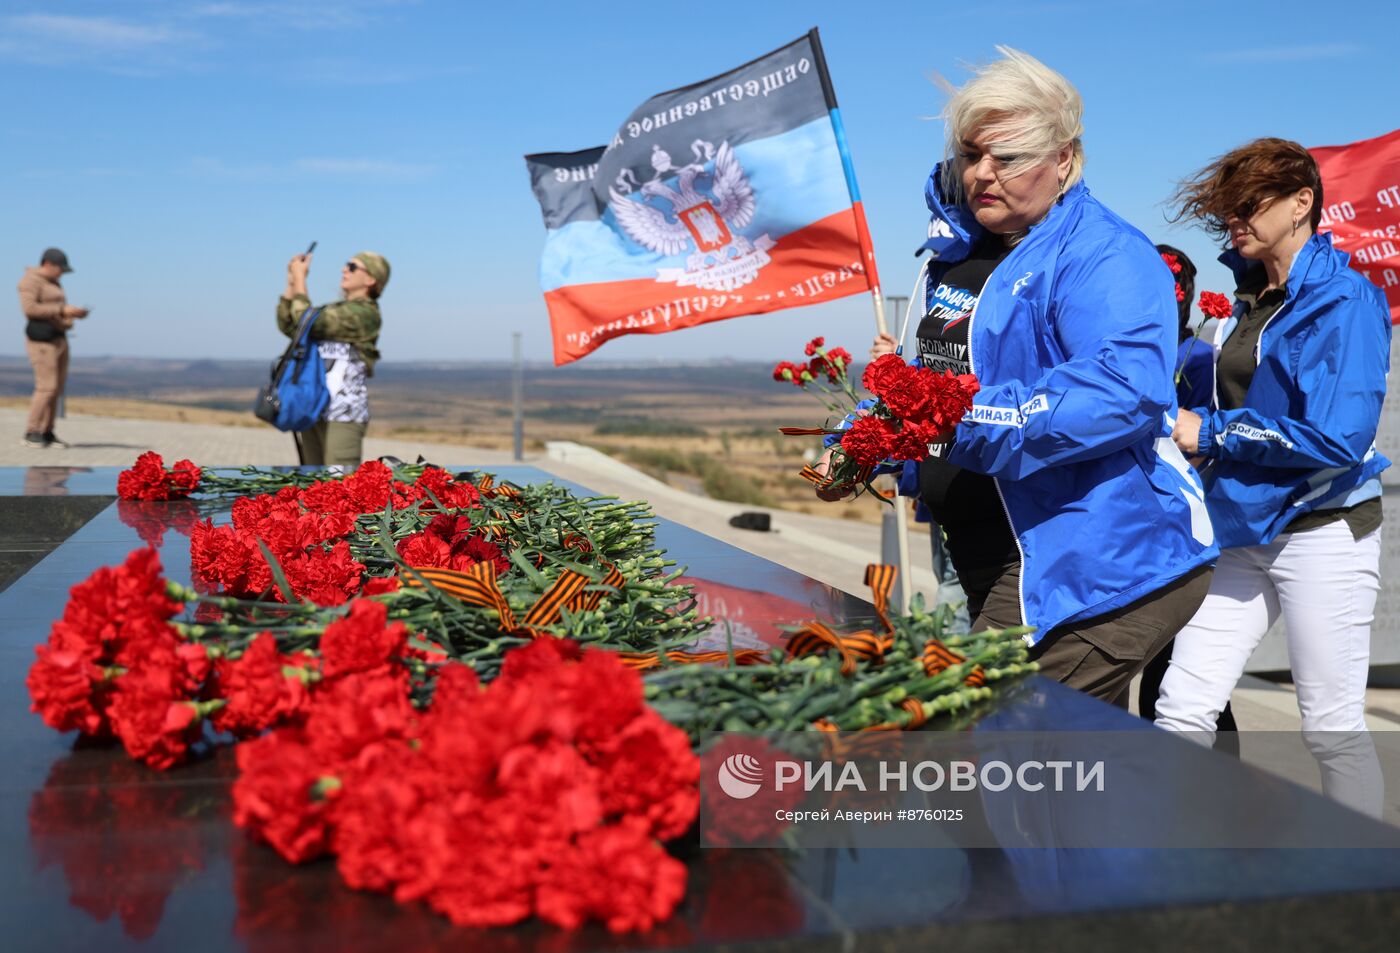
[{"x": 709, "y": 394}]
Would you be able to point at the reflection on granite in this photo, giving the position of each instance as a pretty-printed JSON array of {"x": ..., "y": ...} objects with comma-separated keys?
[
  {"x": 49, "y": 481},
  {"x": 122, "y": 844},
  {"x": 105, "y": 854}
]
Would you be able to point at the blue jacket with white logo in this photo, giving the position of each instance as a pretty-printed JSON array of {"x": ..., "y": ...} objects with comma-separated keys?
[
  {"x": 1074, "y": 339},
  {"x": 1305, "y": 438}
]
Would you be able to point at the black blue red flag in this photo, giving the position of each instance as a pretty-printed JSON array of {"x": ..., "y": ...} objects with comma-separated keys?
[{"x": 732, "y": 196}]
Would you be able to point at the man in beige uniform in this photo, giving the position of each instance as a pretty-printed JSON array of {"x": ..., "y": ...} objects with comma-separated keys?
[{"x": 49, "y": 317}]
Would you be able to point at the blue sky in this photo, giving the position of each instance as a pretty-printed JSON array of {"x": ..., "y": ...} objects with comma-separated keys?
[{"x": 182, "y": 151}]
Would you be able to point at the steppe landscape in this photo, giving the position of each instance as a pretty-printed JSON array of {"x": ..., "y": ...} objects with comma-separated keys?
[{"x": 710, "y": 429}]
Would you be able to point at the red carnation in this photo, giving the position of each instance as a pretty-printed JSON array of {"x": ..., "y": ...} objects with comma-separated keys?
[
  {"x": 154, "y": 726},
  {"x": 1214, "y": 305},
  {"x": 884, "y": 371},
  {"x": 145, "y": 480},
  {"x": 184, "y": 478},
  {"x": 257, "y": 691},
  {"x": 361, "y": 641},
  {"x": 149, "y": 480},
  {"x": 114, "y": 618},
  {"x": 1173, "y": 262},
  {"x": 425, "y": 549},
  {"x": 326, "y": 577},
  {"x": 382, "y": 816},
  {"x": 833, "y": 364},
  {"x": 282, "y": 794},
  {"x": 542, "y": 657},
  {"x": 813, "y": 346},
  {"x": 950, "y": 397},
  {"x": 452, "y": 494},
  {"x": 911, "y": 442},
  {"x": 489, "y": 804},
  {"x": 650, "y": 773},
  {"x": 379, "y": 585},
  {"x": 869, "y": 440},
  {"x": 797, "y": 374},
  {"x": 62, "y": 686},
  {"x": 615, "y": 874},
  {"x": 480, "y": 550},
  {"x": 352, "y": 712},
  {"x": 907, "y": 395}
]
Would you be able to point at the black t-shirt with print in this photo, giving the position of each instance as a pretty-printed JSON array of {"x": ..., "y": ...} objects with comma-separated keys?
[{"x": 964, "y": 503}]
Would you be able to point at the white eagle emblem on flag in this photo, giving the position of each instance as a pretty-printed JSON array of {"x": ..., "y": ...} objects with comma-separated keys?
[{"x": 722, "y": 259}]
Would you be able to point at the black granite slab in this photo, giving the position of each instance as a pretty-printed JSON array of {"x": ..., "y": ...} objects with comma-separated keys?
[{"x": 97, "y": 853}]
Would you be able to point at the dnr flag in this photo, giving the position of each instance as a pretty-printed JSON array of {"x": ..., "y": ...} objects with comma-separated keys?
[
  {"x": 1361, "y": 208},
  {"x": 729, "y": 197}
]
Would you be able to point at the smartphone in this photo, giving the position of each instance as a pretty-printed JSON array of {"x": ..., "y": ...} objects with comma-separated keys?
[{"x": 309, "y": 249}]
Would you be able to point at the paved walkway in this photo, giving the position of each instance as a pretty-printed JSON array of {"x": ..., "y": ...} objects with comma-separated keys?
[{"x": 116, "y": 441}]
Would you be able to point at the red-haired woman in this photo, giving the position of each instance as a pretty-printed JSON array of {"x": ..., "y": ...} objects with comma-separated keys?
[{"x": 1290, "y": 466}]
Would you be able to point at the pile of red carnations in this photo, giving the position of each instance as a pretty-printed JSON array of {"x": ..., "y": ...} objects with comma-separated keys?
[
  {"x": 115, "y": 666},
  {"x": 149, "y": 479},
  {"x": 458, "y": 734},
  {"x": 306, "y": 529},
  {"x": 913, "y": 408},
  {"x": 546, "y": 792}
]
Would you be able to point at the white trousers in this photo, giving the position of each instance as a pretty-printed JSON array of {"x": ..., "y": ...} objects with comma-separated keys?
[{"x": 1324, "y": 583}]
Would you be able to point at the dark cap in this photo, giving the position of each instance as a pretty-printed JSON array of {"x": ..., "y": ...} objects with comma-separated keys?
[{"x": 55, "y": 256}]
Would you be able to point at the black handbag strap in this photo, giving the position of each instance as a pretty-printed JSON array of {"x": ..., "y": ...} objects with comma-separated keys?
[{"x": 308, "y": 318}]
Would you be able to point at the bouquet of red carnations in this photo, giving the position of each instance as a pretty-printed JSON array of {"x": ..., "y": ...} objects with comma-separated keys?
[{"x": 914, "y": 408}]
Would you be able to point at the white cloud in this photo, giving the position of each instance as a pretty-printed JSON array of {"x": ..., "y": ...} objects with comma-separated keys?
[
  {"x": 95, "y": 33},
  {"x": 306, "y": 15},
  {"x": 164, "y": 36},
  {"x": 109, "y": 44}
]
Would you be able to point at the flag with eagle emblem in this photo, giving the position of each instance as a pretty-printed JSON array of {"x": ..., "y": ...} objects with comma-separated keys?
[{"x": 729, "y": 197}]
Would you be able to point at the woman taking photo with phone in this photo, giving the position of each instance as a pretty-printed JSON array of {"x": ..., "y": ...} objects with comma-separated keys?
[
  {"x": 346, "y": 332},
  {"x": 1289, "y": 463}
]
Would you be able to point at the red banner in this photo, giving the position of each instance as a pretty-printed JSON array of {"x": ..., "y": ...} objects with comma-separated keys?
[{"x": 1361, "y": 208}]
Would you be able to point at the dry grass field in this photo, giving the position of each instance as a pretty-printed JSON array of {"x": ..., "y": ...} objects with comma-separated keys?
[{"x": 706, "y": 428}]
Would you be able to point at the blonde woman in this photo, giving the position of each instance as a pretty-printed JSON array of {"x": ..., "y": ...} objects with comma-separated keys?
[{"x": 1066, "y": 504}]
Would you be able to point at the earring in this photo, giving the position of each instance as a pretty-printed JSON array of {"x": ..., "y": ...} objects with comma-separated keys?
[{"x": 1296, "y": 223}]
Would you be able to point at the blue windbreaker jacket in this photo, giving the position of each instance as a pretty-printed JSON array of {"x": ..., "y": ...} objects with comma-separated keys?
[
  {"x": 1074, "y": 340},
  {"x": 1305, "y": 438}
]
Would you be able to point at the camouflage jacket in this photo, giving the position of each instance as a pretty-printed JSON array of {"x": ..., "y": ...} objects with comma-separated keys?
[{"x": 354, "y": 322}]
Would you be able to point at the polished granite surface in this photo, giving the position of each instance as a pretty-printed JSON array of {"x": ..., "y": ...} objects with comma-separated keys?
[{"x": 103, "y": 854}]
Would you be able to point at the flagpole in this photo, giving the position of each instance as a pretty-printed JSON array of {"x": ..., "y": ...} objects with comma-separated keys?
[
  {"x": 894, "y": 522},
  {"x": 894, "y": 525}
]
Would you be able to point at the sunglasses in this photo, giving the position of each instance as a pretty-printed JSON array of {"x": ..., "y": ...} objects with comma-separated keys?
[
  {"x": 1247, "y": 210},
  {"x": 353, "y": 266}
]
